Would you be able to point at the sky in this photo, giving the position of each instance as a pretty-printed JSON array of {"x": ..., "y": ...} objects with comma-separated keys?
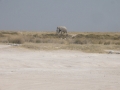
[{"x": 46, "y": 15}]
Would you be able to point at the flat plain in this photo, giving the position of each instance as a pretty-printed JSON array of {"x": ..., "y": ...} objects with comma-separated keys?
[{"x": 29, "y": 69}]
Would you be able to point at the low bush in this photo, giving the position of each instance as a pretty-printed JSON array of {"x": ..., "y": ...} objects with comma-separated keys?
[
  {"x": 16, "y": 39},
  {"x": 107, "y": 43}
]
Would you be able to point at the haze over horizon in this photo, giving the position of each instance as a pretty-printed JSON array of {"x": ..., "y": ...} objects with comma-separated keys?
[{"x": 46, "y": 15}]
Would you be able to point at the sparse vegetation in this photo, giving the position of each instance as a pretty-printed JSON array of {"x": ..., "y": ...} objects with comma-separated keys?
[{"x": 84, "y": 41}]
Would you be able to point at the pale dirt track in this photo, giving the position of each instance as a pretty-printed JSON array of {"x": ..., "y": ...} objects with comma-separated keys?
[{"x": 22, "y": 69}]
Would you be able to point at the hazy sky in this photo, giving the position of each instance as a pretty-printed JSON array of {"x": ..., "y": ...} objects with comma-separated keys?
[{"x": 46, "y": 15}]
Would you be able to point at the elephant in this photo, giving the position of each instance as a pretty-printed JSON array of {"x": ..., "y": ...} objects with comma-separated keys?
[{"x": 61, "y": 29}]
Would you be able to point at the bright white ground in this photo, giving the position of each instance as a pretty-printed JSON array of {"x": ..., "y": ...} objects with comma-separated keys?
[{"x": 22, "y": 69}]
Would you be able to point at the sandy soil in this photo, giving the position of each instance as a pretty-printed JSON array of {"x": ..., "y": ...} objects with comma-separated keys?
[{"x": 22, "y": 69}]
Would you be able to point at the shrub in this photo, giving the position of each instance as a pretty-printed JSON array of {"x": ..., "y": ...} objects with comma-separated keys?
[
  {"x": 117, "y": 43},
  {"x": 107, "y": 43},
  {"x": 78, "y": 41},
  {"x": 79, "y": 36},
  {"x": 100, "y": 42},
  {"x": 1, "y": 35},
  {"x": 16, "y": 39}
]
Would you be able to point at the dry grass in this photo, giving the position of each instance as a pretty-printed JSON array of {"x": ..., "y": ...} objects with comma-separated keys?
[
  {"x": 84, "y": 41},
  {"x": 94, "y": 48}
]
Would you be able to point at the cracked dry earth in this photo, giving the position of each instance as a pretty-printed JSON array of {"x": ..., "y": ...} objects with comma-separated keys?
[{"x": 22, "y": 69}]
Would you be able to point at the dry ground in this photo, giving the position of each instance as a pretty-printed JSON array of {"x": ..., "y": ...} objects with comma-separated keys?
[{"x": 23, "y": 69}]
